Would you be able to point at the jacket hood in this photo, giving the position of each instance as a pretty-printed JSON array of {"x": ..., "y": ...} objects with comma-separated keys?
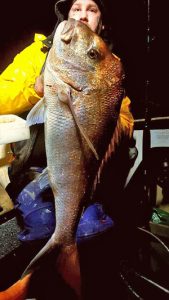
[{"x": 62, "y": 8}]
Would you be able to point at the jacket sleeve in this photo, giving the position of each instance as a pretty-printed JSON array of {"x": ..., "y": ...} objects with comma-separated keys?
[
  {"x": 124, "y": 127},
  {"x": 126, "y": 120},
  {"x": 17, "y": 81}
]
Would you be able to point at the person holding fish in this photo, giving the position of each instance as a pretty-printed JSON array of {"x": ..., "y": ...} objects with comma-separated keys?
[{"x": 20, "y": 94}]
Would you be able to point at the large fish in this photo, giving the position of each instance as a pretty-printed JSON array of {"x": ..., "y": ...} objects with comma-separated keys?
[{"x": 82, "y": 97}]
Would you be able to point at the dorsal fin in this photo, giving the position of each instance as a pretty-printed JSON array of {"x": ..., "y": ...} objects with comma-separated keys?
[
  {"x": 125, "y": 124},
  {"x": 111, "y": 149}
]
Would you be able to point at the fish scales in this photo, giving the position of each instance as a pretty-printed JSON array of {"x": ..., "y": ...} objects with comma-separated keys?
[
  {"x": 83, "y": 93},
  {"x": 65, "y": 181}
]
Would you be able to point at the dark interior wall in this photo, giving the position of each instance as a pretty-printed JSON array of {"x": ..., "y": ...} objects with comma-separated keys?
[
  {"x": 21, "y": 19},
  {"x": 131, "y": 34}
]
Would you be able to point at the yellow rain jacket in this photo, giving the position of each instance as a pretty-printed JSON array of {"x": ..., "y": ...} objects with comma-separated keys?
[{"x": 17, "y": 93}]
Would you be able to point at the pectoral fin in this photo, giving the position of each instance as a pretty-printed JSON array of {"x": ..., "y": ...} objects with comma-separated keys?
[
  {"x": 66, "y": 98},
  {"x": 37, "y": 115}
]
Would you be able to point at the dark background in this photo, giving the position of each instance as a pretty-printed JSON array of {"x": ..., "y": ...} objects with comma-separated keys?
[{"x": 21, "y": 19}]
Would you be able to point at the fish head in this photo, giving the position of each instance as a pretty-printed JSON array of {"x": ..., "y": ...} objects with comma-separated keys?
[{"x": 83, "y": 60}]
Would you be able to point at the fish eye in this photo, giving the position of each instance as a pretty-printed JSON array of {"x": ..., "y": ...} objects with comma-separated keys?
[{"x": 93, "y": 54}]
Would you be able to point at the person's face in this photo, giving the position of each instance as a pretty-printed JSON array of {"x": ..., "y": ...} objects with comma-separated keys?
[{"x": 87, "y": 12}]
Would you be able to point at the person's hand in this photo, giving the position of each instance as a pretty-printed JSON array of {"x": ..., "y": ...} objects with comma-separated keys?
[{"x": 39, "y": 85}]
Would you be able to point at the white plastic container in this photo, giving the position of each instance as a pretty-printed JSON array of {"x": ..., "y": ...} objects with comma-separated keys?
[{"x": 13, "y": 129}]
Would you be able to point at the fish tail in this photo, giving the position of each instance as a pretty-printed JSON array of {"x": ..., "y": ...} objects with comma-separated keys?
[
  {"x": 39, "y": 257},
  {"x": 17, "y": 291},
  {"x": 68, "y": 266}
]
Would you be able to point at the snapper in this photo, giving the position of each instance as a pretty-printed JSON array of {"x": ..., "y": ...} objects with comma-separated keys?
[{"x": 82, "y": 97}]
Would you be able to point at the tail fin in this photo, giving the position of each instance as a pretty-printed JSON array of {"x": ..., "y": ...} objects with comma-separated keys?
[
  {"x": 17, "y": 291},
  {"x": 36, "y": 261},
  {"x": 68, "y": 266}
]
